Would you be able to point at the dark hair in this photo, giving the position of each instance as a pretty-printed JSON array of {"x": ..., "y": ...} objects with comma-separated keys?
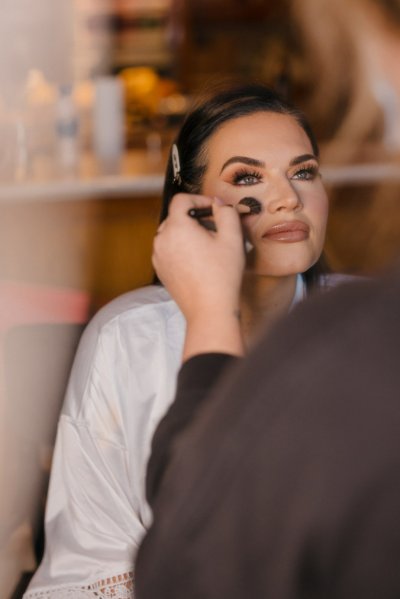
[{"x": 206, "y": 117}]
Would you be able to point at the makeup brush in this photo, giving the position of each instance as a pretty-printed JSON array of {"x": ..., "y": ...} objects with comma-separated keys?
[{"x": 245, "y": 206}]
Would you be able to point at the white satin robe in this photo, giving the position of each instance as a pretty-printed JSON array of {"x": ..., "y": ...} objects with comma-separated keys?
[{"x": 121, "y": 384}]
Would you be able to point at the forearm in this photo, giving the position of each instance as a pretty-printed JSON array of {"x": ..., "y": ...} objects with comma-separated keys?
[
  {"x": 202, "y": 271},
  {"x": 215, "y": 330}
]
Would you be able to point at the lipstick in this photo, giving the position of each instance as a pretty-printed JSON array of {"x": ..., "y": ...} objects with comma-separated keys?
[{"x": 288, "y": 232}]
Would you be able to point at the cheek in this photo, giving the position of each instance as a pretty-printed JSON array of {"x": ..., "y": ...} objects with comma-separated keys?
[
  {"x": 318, "y": 211},
  {"x": 212, "y": 184},
  {"x": 223, "y": 192},
  {"x": 212, "y": 189}
]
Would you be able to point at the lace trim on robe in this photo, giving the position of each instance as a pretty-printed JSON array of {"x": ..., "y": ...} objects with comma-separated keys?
[{"x": 116, "y": 587}]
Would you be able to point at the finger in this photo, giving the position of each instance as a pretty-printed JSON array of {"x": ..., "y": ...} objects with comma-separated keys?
[
  {"x": 182, "y": 202},
  {"x": 242, "y": 209},
  {"x": 227, "y": 220}
]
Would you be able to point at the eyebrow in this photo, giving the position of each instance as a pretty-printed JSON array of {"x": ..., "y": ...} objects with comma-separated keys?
[
  {"x": 258, "y": 163},
  {"x": 302, "y": 158},
  {"x": 243, "y": 160}
]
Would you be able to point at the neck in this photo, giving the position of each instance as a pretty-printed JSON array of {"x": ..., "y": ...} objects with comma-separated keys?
[{"x": 263, "y": 300}]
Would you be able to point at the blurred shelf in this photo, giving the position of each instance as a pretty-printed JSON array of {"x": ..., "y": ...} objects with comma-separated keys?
[
  {"x": 357, "y": 174},
  {"x": 81, "y": 189},
  {"x": 140, "y": 174}
]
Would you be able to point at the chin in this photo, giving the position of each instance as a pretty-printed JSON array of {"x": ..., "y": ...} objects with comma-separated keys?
[
  {"x": 288, "y": 260},
  {"x": 283, "y": 269}
]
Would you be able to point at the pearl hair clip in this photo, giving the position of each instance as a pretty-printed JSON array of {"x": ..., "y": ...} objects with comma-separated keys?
[{"x": 176, "y": 165}]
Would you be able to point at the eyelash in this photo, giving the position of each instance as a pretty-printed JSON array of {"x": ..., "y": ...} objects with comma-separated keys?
[
  {"x": 306, "y": 173},
  {"x": 239, "y": 176}
]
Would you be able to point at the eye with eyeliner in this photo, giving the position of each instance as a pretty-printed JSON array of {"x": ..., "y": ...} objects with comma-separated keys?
[
  {"x": 301, "y": 172},
  {"x": 246, "y": 177},
  {"x": 306, "y": 172}
]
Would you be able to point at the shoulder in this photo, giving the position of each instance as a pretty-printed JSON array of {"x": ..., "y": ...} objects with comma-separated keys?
[
  {"x": 153, "y": 298},
  {"x": 142, "y": 312},
  {"x": 143, "y": 309},
  {"x": 128, "y": 327},
  {"x": 136, "y": 335}
]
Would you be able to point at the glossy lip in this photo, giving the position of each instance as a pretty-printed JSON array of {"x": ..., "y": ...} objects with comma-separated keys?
[{"x": 289, "y": 232}]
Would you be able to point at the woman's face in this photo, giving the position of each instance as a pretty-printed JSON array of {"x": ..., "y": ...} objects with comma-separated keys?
[{"x": 268, "y": 156}]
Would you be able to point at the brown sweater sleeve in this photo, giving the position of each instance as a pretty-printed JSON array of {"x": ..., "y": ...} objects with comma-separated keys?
[{"x": 196, "y": 378}]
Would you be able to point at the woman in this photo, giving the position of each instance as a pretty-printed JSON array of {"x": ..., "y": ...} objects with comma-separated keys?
[{"x": 242, "y": 142}]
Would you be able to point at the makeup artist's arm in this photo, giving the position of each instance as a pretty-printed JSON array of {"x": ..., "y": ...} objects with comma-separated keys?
[
  {"x": 203, "y": 270},
  {"x": 196, "y": 378}
]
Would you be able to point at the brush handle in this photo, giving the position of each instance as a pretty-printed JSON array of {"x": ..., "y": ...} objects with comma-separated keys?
[
  {"x": 207, "y": 211},
  {"x": 200, "y": 212}
]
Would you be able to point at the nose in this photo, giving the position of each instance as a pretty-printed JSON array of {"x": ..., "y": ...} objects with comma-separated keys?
[{"x": 282, "y": 196}]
